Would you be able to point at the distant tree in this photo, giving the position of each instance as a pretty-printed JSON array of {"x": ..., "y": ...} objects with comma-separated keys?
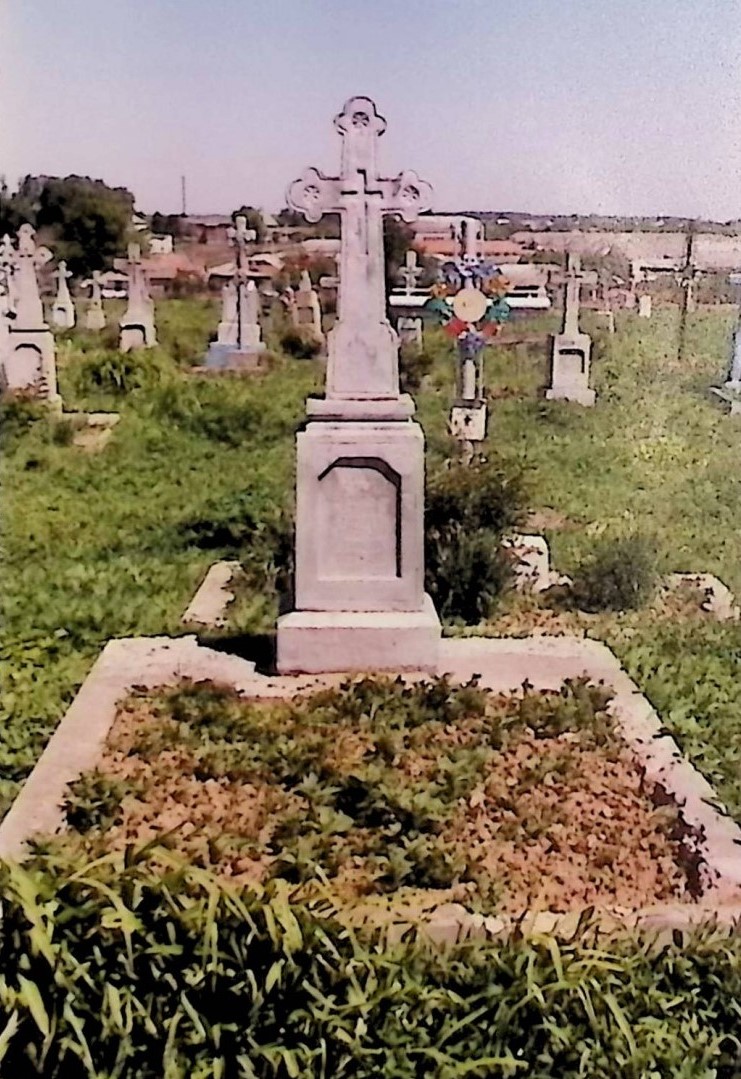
[
  {"x": 254, "y": 220},
  {"x": 85, "y": 221},
  {"x": 15, "y": 210},
  {"x": 397, "y": 240},
  {"x": 166, "y": 224},
  {"x": 290, "y": 219}
]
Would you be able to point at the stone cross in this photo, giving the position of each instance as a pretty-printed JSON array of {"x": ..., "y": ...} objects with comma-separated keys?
[
  {"x": 63, "y": 310},
  {"x": 572, "y": 296},
  {"x": 94, "y": 315},
  {"x": 410, "y": 271},
  {"x": 363, "y": 348},
  {"x": 29, "y": 312}
]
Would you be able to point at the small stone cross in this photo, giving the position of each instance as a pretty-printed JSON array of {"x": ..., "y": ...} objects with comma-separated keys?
[
  {"x": 363, "y": 360},
  {"x": 240, "y": 236},
  {"x": 410, "y": 272}
]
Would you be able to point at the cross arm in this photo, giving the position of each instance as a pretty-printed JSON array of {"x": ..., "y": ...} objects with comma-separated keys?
[
  {"x": 406, "y": 195},
  {"x": 315, "y": 194}
]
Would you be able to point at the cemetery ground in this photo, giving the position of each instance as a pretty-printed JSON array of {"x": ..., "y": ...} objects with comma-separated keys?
[{"x": 113, "y": 543}]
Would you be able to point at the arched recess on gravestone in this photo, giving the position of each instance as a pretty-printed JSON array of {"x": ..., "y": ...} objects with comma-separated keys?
[
  {"x": 361, "y": 507},
  {"x": 23, "y": 367}
]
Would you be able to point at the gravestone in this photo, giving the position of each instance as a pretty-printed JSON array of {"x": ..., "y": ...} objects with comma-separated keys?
[
  {"x": 645, "y": 306},
  {"x": 359, "y": 584},
  {"x": 137, "y": 324},
  {"x": 94, "y": 315},
  {"x": 733, "y": 381},
  {"x": 238, "y": 337},
  {"x": 30, "y": 362},
  {"x": 409, "y": 328},
  {"x": 63, "y": 310},
  {"x": 571, "y": 349},
  {"x": 308, "y": 312}
]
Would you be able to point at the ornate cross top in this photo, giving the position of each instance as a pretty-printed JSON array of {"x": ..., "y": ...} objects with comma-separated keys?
[
  {"x": 410, "y": 271},
  {"x": 240, "y": 236},
  {"x": 363, "y": 361}
]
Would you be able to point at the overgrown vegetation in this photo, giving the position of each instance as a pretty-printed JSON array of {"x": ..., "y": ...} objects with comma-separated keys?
[
  {"x": 112, "y": 971},
  {"x": 468, "y": 509},
  {"x": 620, "y": 575},
  {"x": 300, "y": 343}
]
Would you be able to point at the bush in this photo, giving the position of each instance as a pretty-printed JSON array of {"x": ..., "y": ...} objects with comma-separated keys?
[
  {"x": 120, "y": 373},
  {"x": 209, "y": 409},
  {"x": 620, "y": 575},
  {"x": 301, "y": 344},
  {"x": 414, "y": 364},
  {"x": 18, "y": 414},
  {"x": 468, "y": 510}
]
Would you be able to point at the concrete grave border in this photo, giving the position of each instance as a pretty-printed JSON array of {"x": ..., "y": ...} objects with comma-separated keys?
[
  {"x": 213, "y": 596},
  {"x": 503, "y": 664}
]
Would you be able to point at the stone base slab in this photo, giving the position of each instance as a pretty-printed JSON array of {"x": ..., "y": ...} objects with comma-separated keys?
[
  {"x": 313, "y": 642},
  {"x": 378, "y": 409},
  {"x": 569, "y": 393}
]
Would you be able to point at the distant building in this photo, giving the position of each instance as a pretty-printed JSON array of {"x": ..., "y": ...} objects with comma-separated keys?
[
  {"x": 208, "y": 228},
  {"x": 161, "y": 245},
  {"x": 261, "y": 267}
]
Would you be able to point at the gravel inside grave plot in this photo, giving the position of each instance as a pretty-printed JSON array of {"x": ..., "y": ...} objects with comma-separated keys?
[{"x": 505, "y": 803}]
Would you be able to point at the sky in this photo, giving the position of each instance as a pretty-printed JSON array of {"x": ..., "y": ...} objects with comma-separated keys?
[{"x": 547, "y": 106}]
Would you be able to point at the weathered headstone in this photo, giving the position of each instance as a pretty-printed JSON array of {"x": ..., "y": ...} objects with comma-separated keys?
[
  {"x": 30, "y": 362},
  {"x": 409, "y": 327},
  {"x": 308, "y": 311},
  {"x": 359, "y": 586},
  {"x": 645, "y": 306},
  {"x": 94, "y": 314},
  {"x": 571, "y": 349},
  {"x": 238, "y": 337},
  {"x": 63, "y": 309},
  {"x": 137, "y": 324}
]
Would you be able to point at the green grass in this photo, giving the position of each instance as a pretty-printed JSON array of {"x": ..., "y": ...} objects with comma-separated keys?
[
  {"x": 96, "y": 545},
  {"x": 99, "y": 546}
]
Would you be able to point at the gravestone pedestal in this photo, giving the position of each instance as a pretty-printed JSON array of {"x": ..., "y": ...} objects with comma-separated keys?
[
  {"x": 360, "y": 602},
  {"x": 570, "y": 358},
  {"x": 31, "y": 362}
]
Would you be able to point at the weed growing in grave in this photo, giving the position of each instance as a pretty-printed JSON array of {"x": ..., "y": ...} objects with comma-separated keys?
[
  {"x": 468, "y": 510},
  {"x": 620, "y": 575},
  {"x": 94, "y": 801},
  {"x": 414, "y": 364},
  {"x": 300, "y": 344},
  {"x": 374, "y": 786},
  {"x": 118, "y": 373}
]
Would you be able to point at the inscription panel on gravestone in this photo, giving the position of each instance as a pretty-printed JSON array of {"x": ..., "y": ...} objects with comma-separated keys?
[
  {"x": 23, "y": 368},
  {"x": 360, "y": 521},
  {"x": 571, "y": 363}
]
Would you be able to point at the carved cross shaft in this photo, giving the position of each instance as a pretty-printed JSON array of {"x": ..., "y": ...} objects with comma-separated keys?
[
  {"x": 573, "y": 292},
  {"x": 361, "y": 197}
]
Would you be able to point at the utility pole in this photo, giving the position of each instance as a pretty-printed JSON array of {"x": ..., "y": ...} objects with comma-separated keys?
[
  {"x": 184, "y": 210},
  {"x": 688, "y": 286}
]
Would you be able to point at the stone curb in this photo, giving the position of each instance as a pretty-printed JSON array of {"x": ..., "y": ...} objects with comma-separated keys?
[{"x": 209, "y": 604}]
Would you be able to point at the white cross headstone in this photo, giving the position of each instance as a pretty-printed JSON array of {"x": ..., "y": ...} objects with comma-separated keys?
[
  {"x": 63, "y": 310},
  {"x": 30, "y": 362},
  {"x": 362, "y": 346},
  {"x": 137, "y": 324},
  {"x": 571, "y": 350},
  {"x": 410, "y": 271},
  {"x": 95, "y": 315},
  {"x": 359, "y": 581}
]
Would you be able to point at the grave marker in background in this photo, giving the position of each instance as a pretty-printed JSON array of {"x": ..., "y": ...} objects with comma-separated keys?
[
  {"x": 238, "y": 337},
  {"x": 63, "y": 310},
  {"x": 94, "y": 315},
  {"x": 137, "y": 324},
  {"x": 410, "y": 327},
  {"x": 30, "y": 362},
  {"x": 571, "y": 349}
]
